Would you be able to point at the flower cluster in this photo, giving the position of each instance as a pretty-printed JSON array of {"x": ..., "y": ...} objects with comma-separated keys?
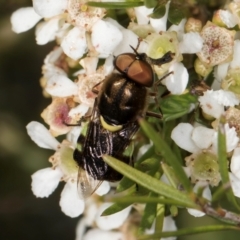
[{"x": 87, "y": 42}]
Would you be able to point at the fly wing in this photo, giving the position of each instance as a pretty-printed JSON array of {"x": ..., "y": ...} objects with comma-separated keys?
[{"x": 86, "y": 184}]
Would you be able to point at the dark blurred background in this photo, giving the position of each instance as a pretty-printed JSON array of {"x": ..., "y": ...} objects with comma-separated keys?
[{"x": 22, "y": 215}]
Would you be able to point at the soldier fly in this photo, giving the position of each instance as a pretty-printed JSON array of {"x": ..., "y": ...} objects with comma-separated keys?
[{"x": 120, "y": 101}]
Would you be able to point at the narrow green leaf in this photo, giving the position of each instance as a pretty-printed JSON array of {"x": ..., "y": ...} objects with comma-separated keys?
[
  {"x": 170, "y": 174},
  {"x": 160, "y": 217},
  {"x": 158, "y": 12},
  {"x": 176, "y": 14},
  {"x": 188, "y": 231},
  {"x": 149, "y": 214},
  {"x": 167, "y": 153},
  {"x": 149, "y": 182},
  {"x": 116, "y": 207},
  {"x": 124, "y": 184},
  {"x": 143, "y": 199},
  {"x": 175, "y": 106},
  {"x": 223, "y": 163},
  {"x": 115, "y": 5},
  {"x": 150, "y": 3}
]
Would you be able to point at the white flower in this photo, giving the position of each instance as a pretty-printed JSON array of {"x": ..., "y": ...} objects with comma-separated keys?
[
  {"x": 105, "y": 37},
  {"x": 213, "y": 102},
  {"x": 182, "y": 136},
  {"x": 45, "y": 181},
  {"x": 160, "y": 24},
  {"x": 50, "y": 8},
  {"x": 61, "y": 86},
  {"x": 235, "y": 184},
  {"x": 112, "y": 221},
  {"x": 235, "y": 162},
  {"x": 23, "y": 19},
  {"x": 231, "y": 138},
  {"x": 206, "y": 194},
  {"x": 191, "y": 43},
  {"x": 142, "y": 14},
  {"x": 46, "y": 31},
  {"x": 74, "y": 44},
  {"x": 168, "y": 225},
  {"x": 41, "y": 136},
  {"x": 228, "y": 18},
  {"x": 177, "y": 81},
  {"x": 99, "y": 234},
  {"x": 70, "y": 202}
]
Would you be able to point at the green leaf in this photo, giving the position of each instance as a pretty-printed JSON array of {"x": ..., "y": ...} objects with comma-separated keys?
[
  {"x": 223, "y": 162},
  {"x": 167, "y": 153},
  {"x": 149, "y": 214},
  {"x": 187, "y": 231},
  {"x": 143, "y": 199},
  {"x": 115, "y": 5},
  {"x": 116, "y": 207},
  {"x": 176, "y": 14},
  {"x": 158, "y": 12},
  {"x": 150, "y": 3},
  {"x": 124, "y": 184},
  {"x": 149, "y": 182},
  {"x": 175, "y": 106}
]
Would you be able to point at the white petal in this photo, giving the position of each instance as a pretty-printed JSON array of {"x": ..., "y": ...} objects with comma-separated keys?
[
  {"x": 228, "y": 18},
  {"x": 195, "y": 213},
  {"x": 91, "y": 211},
  {"x": 103, "y": 189},
  {"x": 108, "y": 65},
  {"x": 74, "y": 43},
  {"x": 129, "y": 39},
  {"x": 169, "y": 225},
  {"x": 80, "y": 229},
  {"x": 53, "y": 56},
  {"x": 235, "y": 63},
  {"x": 160, "y": 24},
  {"x": 46, "y": 31},
  {"x": 182, "y": 136},
  {"x": 235, "y": 183},
  {"x": 99, "y": 234},
  {"x": 209, "y": 104},
  {"x": 23, "y": 19},
  {"x": 235, "y": 162},
  {"x": 203, "y": 137},
  {"x": 206, "y": 194},
  {"x": 80, "y": 111},
  {"x": 71, "y": 204},
  {"x": 50, "y": 8},
  {"x": 225, "y": 98},
  {"x": 142, "y": 14},
  {"x": 179, "y": 29},
  {"x": 220, "y": 71},
  {"x": 45, "y": 181},
  {"x": 192, "y": 42},
  {"x": 111, "y": 221},
  {"x": 105, "y": 37},
  {"x": 176, "y": 83},
  {"x": 73, "y": 135},
  {"x": 231, "y": 138},
  {"x": 61, "y": 86},
  {"x": 89, "y": 64},
  {"x": 41, "y": 136}
]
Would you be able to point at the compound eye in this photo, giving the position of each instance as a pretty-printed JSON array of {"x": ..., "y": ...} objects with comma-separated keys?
[
  {"x": 141, "y": 72},
  {"x": 123, "y": 61}
]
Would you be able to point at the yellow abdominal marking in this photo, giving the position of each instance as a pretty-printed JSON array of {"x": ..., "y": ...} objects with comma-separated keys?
[{"x": 109, "y": 127}]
